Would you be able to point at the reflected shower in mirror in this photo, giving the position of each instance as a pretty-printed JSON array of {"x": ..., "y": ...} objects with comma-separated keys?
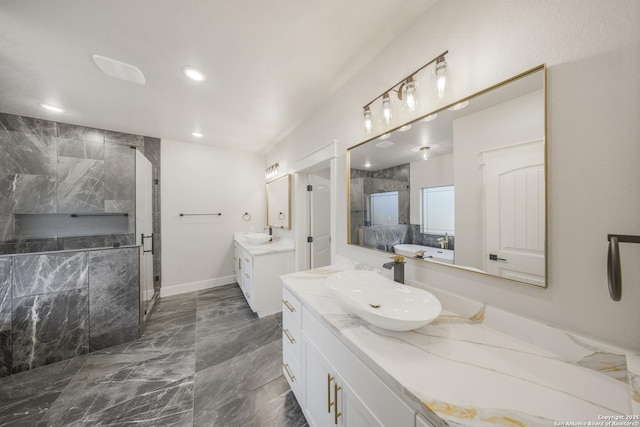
[{"x": 464, "y": 186}]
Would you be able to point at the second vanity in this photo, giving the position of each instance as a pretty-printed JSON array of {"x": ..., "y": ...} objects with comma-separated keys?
[
  {"x": 257, "y": 268},
  {"x": 474, "y": 366}
]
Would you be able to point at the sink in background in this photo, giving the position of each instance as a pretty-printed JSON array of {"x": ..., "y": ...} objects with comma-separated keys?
[
  {"x": 408, "y": 250},
  {"x": 383, "y": 302},
  {"x": 257, "y": 238}
]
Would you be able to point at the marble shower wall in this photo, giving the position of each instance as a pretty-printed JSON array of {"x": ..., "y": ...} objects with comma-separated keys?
[
  {"x": 60, "y": 305},
  {"x": 365, "y": 183},
  {"x": 48, "y": 167}
]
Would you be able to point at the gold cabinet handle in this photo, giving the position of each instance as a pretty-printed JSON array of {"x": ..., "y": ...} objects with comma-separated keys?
[
  {"x": 289, "y": 337},
  {"x": 329, "y": 402},
  {"x": 288, "y": 305},
  {"x": 336, "y": 413},
  {"x": 291, "y": 376}
]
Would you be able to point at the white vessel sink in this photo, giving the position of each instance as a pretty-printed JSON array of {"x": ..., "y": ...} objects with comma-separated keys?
[
  {"x": 409, "y": 251},
  {"x": 382, "y": 302},
  {"x": 257, "y": 238}
]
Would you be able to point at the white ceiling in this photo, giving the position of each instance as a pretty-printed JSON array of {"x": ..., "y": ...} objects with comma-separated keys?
[{"x": 269, "y": 63}]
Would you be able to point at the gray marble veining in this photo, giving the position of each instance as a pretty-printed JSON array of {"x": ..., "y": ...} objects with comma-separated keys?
[
  {"x": 48, "y": 328},
  {"x": 5, "y": 316},
  {"x": 223, "y": 382},
  {"x": 80, "y": 133},
  {"x": 270, "y": 405},
  {"x": 123, "y": 138},
  {"x": 113, "y": 298},
  {"x": 104, "y": 382},
  {"x": 81, "y": 149},
  {"x": 27, "y": 193},
  {"x": 121, "y": 206},
  {"x": 215, "y": 345},
  {"x": 6, "y": 227},
  {"x": 80, "y": 185},
  {"x": 152, "y": 381},
  {"x": 119, "y": 178},
  {"x": 26, "y": 398},
  {"x": 28, "y": 125},
  {"x": 27, "y": 154},
  {"x": 47, "y": 273}
]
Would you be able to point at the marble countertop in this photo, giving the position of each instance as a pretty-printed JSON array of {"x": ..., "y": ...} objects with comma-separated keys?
[
  {"x": 479, "y": 366},
  {"x": 280, "y": 245}
]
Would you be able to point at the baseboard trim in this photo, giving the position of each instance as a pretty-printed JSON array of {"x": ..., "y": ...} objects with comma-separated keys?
[{"x": 196, "y": 286}]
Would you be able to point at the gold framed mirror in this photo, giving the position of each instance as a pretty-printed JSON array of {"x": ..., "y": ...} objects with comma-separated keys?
[
  {"x": 463, "y": 186},
  {"x": 279, "y": 202}
]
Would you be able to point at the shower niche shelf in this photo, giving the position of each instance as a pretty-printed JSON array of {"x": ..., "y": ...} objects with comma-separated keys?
[{"x": 69, "y": 224}]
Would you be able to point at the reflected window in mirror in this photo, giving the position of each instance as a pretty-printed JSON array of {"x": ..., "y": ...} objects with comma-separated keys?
[{"x": 438, "y": 212}]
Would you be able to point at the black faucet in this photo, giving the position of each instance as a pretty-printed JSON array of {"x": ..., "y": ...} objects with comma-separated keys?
[{"x": 398, "y": 268}]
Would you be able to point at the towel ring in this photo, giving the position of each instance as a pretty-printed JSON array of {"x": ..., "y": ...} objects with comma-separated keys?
[{"x": 246, "y": 216}]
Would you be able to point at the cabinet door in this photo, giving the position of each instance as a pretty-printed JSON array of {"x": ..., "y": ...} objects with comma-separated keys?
[
  {"x": 354, "y": 411},
  {"x": 318, "y": 384}
]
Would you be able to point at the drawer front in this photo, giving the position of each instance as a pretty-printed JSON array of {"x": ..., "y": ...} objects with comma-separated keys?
[
  {"x": 291, "y": 336},
  {"x": 291, "y": 305},
  {"x": 291, "y": 371}
]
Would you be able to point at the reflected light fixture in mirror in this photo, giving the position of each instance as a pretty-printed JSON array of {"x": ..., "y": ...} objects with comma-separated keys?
[
  {"x": 272, "y": 171},
  {"x": 406, "y": 89}
]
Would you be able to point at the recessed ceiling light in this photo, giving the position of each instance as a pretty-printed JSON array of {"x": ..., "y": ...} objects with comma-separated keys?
[
  {"x": 367, "y": 164},
  {"x": 404, "y": 128},
  {"x": 458, "y": 106},
  {"x": 384, "y": 144},
  {"x": 119, "y": 70},
  {"x": 196, "y": 134},
  {"x": 52, "y": 108},
  {"x": 385, "y": 136},
  {"x": 430, "y": 117},
  {"x": 194, "y": 74}
]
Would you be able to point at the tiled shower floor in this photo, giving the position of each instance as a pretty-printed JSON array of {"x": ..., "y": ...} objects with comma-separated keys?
[{"x": 205, "y": 360}]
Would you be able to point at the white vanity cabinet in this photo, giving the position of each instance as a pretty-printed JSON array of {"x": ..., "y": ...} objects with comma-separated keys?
[
  {"x": 332, "y": 385},
  {"x": 258, "y": 271}
]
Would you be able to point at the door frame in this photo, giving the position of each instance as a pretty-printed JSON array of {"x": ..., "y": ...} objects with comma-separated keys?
[{"x": 321, "y": 158}]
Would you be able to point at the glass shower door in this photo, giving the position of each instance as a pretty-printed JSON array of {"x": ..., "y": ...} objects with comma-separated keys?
[{"x": 144, "y": 227}]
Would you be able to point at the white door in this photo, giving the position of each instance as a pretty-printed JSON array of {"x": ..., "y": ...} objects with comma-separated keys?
[
  {"x": 514, "y": 209},
  {"x": 144, "y": 224},
  {"x": 320, "y": 221}
]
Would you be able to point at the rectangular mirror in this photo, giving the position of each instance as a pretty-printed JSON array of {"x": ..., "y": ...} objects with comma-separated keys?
[
  {"x": 279, "y": 202},
  {"x": 464, "y": 186}
]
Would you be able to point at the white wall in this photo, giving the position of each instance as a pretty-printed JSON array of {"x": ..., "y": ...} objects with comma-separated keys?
[
  {"x": 517, "y": 120},
  {"x": 197, "y": 252},
  {"x": 592, "y": 50},
  {"x": 435, "y": 172}
]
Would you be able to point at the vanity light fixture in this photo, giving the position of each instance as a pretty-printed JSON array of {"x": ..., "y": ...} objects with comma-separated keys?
[
  {"x": 406, "y": 90},
  {"x": 53, "y": 108},
  {"x": 368, "y": 122},
  {"x": 440, "y": 76},
  {"x": 272, "y": 171},
  {"x": 194, "y": 74},
  {"x": 386, "y": 109}
]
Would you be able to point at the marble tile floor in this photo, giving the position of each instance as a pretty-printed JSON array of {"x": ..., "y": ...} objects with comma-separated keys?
[{"x": 204, "y": 360}]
